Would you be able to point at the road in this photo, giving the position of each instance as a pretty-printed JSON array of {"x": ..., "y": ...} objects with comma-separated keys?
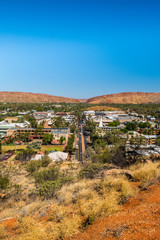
[
  {"x": 81, "y": 141},
  {"x": 80, "y": 158}
]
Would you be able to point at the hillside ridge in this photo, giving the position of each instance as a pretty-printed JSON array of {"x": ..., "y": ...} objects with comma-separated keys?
[
  {"x": 126, "y": 97},
  {"x": 28, "y": 97},
  {"x": 121, "y": 98}
]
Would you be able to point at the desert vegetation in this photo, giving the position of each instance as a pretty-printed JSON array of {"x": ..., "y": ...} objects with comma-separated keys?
[{"x": 45, "y": 200}]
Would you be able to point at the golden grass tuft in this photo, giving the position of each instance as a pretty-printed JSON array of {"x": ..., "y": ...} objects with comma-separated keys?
[
  {"x": 3, "y": 232},
  {"x": 147, "y": 173}
]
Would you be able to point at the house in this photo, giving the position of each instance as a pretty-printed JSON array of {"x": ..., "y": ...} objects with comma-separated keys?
[
  {"x": 9, "y": 128},
  {"x": 60, "y": 132},
  {"x": 37, "y": 156},
  {"x": 54, "y": 156},
  {"x": 57, "y": 132},
  {"x": 11, "y": 119},
  {"x": 89, "y": 113},
  {"x": 58, "y": 156}
]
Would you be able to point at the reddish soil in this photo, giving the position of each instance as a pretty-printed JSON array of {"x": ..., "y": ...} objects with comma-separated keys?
[{"x": 139, "y": 219}]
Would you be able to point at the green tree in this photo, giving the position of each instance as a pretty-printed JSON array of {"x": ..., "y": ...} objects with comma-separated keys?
[
  {"x": 144, "y": 125},
  {"x": 62, "y": 139},
  {"x": 114, "y": 123},
  {"x": 138, "y": 140},
  {"x": 157, "y": 141},
  {"x": 72, "y": 128},
  {"x": 59, "y": 122},
  {"x": 0, "y": 147},
  {"x": 34, "y": 145},
  {"x": 69, "y": 147},
  {"x": 131, "y": 126},
  {"x": 90, "y": 126},
  {"x": 47, "y": 138}
]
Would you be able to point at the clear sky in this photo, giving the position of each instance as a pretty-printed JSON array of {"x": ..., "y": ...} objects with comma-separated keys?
[{"x": 80, "y": 48}]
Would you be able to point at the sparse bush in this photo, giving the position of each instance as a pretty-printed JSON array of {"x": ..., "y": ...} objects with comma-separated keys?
[
  {"x": 25, "y": 155},
  {"x": 4, "y": 182},
  {"x": 50, "y": 180},
  {"x": 87, "y": 222},
  {"x": 46, "y": 161},
  {"x": 49, "y": 188},
  {"x": 91, "y": 170},
  {"x": 35, "y": 165},
  {"x": 47, "y": 175}
]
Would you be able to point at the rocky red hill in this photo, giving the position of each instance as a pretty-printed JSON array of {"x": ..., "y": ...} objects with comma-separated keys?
[
  {"x": 127, "y": 97},
  {"x": 33, "y": 98}
]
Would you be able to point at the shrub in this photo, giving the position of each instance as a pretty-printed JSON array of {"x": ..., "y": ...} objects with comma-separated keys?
[
  {"x": 33, "y": 166},
  {"x": 4, "y": 182},
  {"x": 90, "y": 171},
  {"x": 87, "y": 222},
  {"x": 25, "y": 155},
  {"x": 49, "y": 188},
  {"x": 47, "y": 175},
  {"x": 46, "y": 161}
]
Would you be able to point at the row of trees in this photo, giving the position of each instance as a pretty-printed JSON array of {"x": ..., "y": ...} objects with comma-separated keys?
[{"x": 69, "y": 147}]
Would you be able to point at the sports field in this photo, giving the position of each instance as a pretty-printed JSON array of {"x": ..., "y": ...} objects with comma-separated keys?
[{"x": 43, "y": 148}]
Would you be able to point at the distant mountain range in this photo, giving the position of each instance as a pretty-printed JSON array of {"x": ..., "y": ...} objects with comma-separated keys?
[{"x": 127, "y": 97}]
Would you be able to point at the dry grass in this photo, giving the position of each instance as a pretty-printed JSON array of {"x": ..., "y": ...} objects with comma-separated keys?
[
  {"x": 3, "y": 232},
  {"x": 73, "y": 206},
  {"x": 96, "y": 197},
  {"x": 147, "y": 173}
]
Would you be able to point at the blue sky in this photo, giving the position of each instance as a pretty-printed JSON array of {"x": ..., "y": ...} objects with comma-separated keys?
[{"x": 79, "y": 48}]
